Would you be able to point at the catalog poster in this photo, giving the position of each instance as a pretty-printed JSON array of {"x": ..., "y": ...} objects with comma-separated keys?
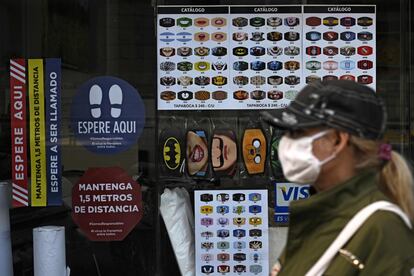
[
  {"x": 231, "y": 232},
  {"x": 340, "y": 43},
  {"x": 258, "y": 57}
]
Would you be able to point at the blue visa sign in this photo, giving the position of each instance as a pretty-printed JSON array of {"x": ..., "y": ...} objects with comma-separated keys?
[
  {"x": 108, "y": 115},
  {"x": 284, "y": 194}
]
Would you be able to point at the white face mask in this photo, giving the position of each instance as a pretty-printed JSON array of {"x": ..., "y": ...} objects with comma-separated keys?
[{"x": 298, "y": 162}]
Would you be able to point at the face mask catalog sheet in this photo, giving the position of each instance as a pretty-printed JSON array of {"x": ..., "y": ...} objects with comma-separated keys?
[
  {"x": 339, "y": 43},
  {"x": 231, "y": 232},
  {"x": 248, "y": 57}
]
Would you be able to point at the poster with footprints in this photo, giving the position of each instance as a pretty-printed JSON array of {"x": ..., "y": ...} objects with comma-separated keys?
[
  {"x": 107, "y": 115},
  {"x": 258, "y": 57}
]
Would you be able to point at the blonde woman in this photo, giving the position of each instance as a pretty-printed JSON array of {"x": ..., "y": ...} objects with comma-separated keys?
[{"x": 358, "y": 219}]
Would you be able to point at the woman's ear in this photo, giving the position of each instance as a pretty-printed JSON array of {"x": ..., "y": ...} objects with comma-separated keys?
[{"x": 342, "y": 141}]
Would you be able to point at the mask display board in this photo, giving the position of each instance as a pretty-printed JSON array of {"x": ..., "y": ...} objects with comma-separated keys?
[
  {"x": 339, "y": 43},
  {"x": 284, "y": 194},
  {"x": 231, "y": 232},
  {"x": 251, "y": 57},
  {"x": 35, "y": 86}
]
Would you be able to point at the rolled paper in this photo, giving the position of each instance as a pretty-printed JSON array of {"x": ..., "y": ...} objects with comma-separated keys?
[
  {"x": 6, "y": 259},
  {"x": 49, "y": 251}
]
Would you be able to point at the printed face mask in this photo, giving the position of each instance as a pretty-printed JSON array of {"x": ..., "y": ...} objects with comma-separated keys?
[
  {"x": 167, "y": 22},
  {"x": 167, "y": 52},
  {"x": 197, "y": 153},
  {"x": 224, "y": 152},
  {"x": 185, "y": 80},
  {"x": 254, "y": 150},
  {"x": 171, "y": 152},
  {"x": 167, "y": 81},
  {"x": 240, "y": 22},
  {"x": 219, "y": 66},
  {"x": 184, "y": 51},
  {"x": 298, "y": 162},
  {"x": 274, "y": 21}
]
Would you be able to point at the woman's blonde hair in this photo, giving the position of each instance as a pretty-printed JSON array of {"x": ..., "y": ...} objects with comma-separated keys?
[{"x": 396, "y": 180}]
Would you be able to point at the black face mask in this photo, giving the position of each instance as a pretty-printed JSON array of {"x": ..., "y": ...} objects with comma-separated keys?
[{"x": 171, "y": 152}]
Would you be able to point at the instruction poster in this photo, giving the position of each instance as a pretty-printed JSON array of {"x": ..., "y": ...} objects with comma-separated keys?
[
  {"x": 35, "y": 86},
  {"x": 108, "y": 115},
  {"x": 231, "y": 232},
  {"x": 258, "y": 57},
  {"x": 106, "y": 204}
]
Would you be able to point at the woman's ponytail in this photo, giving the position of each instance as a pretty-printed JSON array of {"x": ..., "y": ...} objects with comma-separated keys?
[
  {"x": 397, "y": 183},
  {"x": 396, "y": 180}
]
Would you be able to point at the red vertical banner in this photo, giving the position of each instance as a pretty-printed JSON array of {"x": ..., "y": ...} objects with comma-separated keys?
[{"x": 18, "y": 132}]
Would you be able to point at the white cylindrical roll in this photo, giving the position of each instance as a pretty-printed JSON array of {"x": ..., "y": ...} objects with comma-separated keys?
[
  {"x": 49, "y": 251},
  {"x": 6, "y": 260}
]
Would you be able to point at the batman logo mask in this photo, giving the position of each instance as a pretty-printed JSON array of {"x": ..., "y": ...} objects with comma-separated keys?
[
  {"x": 240, "y": 51},
  {"x": 171, "y": 152}
]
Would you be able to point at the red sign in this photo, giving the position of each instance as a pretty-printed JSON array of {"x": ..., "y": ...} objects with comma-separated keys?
[
  {"x": 106, "y": 204},
  {"x": 18, "y": 132}
]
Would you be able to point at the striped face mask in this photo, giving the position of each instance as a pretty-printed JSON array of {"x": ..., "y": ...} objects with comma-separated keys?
[{"x": 298, "y": 162}]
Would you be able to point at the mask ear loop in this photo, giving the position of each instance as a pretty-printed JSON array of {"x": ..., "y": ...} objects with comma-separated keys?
[{"x": 319, "y": 135}]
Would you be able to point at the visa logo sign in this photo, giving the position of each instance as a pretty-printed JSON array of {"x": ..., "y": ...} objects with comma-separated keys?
[
  {"x": 294, "y": 193},
  {"x": 284, "y": 194}
]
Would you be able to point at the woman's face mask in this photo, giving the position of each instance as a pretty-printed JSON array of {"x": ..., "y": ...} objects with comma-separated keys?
[{"x": 298, "y": 162}]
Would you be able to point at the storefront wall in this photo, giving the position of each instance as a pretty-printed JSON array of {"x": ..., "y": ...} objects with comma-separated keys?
[{"x": 118, "y": 38}]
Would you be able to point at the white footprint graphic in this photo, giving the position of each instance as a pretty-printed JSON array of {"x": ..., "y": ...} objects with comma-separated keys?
[
  {"x": 95, "y": 100},
  {"x": 115, "y": 98}
]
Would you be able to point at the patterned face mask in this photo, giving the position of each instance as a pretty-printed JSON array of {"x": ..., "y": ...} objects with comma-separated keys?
[
  {"x": 167, "y": 51},
  {"x": 197, "y": 153},
  {"x": 184, "y": 51},
  {"x": 224, "y": 152},
  {"x": 254, "y": 150}
]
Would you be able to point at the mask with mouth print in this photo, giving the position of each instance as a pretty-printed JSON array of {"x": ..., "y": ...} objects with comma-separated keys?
[{"x": 197, "y": 153}]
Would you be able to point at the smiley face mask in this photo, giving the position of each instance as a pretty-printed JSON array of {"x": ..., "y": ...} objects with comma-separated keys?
[
  {"x": 197, "y": 153},
  {"x": 172, "y": 152},
  {"x": 254, "y": 150},
  {"x": 224, "y": 153}
]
